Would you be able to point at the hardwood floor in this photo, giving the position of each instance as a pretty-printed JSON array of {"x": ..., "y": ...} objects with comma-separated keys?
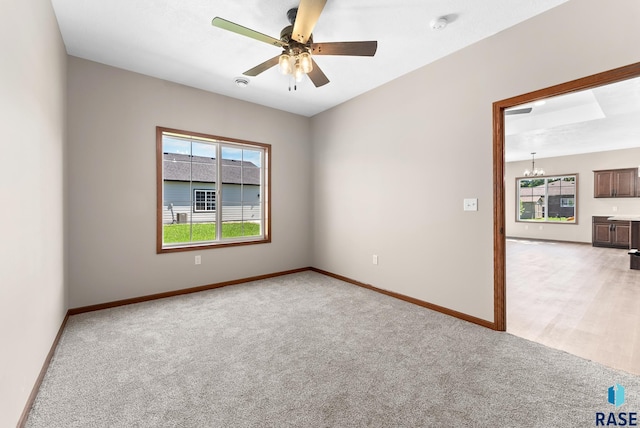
[{"x": 577, "y": 298}]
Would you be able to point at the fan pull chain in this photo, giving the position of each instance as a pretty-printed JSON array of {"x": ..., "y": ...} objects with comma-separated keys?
[{"x": 295, "y": 85}]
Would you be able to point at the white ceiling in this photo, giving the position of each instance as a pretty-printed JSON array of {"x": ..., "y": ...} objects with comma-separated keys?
[
  {"x": 174, "y": 40},
  {"x": 589, "y": 121}
]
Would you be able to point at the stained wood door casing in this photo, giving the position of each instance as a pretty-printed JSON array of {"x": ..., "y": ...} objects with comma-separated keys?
[{"x": 499, "y": 219}]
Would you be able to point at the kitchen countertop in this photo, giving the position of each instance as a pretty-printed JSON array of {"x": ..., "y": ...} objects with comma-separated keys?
[{"x": 624, "y": 217}]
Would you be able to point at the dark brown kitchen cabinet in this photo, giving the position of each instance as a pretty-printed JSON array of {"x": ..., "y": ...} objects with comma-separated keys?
[
  {"x": 611, "y": 233},
  {"x": 615, "y": 183}
]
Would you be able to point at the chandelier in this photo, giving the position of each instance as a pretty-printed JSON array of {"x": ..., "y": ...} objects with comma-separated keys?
[{"x": 534, "y": 171}]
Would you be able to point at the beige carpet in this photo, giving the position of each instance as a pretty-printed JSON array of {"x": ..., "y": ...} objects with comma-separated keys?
[{"x": 306, "y": 350}]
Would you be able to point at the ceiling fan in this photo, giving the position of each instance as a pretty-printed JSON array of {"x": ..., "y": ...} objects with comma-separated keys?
[
  {"x": 518, "y": 111},
  {"x": 298, "y": 47}
]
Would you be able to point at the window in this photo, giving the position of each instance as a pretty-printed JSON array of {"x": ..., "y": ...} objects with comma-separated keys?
[
  {"x": 547, "y": 199},
  {"x": 205, "y": 200},
  {"x": 567, "y": 202},
  {"x": 211, "y": 191}
]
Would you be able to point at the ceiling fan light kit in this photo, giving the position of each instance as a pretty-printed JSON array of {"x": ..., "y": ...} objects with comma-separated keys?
[
  {"x": 296, "y": 64},
  {"x": 296, "y": 40},
  {"x": 515, "y": 111}
]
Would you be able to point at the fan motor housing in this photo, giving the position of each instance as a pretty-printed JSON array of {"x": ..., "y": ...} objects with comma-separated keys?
[
  {"x": 294, "y": 45},
  {"x": 292, "y": 14},
  {"x": 285, "y": 34}
]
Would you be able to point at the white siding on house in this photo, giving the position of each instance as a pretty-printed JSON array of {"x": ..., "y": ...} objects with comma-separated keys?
[
  {"x": 180, "y": 193},
  {"x": 239, "y": 202}
]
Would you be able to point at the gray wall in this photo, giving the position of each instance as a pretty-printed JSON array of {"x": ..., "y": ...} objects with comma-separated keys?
[
  {"x": 429, "y": 133},
  {"x": 112, "y": 118},
  {"x": 32, "y": 252},
  {"x": 588, "y": 206}
]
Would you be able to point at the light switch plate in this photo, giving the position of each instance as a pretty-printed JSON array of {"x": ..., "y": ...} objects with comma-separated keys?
[{"x": 471, "y": 204}]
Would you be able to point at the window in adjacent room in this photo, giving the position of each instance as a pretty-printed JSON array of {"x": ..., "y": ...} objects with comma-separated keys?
[
  {"x": 212, "y": 191},
  {"x": 547, "y": 199}
]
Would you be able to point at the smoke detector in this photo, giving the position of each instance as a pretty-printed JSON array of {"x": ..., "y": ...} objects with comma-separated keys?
[
  {"x": 439, "y": 23},
  {"x": 241, "y": 82}
]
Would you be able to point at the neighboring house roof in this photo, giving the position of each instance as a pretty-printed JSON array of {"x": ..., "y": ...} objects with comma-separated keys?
[
  {"x": 556, "y": 188},
  {"x": 177, "y": 167},
  {"x": 561, "y": 187}
]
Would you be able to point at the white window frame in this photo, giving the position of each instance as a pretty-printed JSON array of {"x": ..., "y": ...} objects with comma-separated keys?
[
  {"x": 209, "y": 204},
  {"x": 544, "y": 198},
  {"x": 564, "y": 202}
]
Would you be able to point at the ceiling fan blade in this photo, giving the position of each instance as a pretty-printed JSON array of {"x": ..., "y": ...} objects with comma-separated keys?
[
  {"x": 308, "y": 13},
  {"x": 518, "y": 111},
  {"x": 345, "y": 48},
  {"x": 262, "y": 67},
  {"x": 317, "y": 76},
  {"x": 244, "y": 31}
]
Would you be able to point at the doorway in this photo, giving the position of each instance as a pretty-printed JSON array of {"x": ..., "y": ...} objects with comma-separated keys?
[{"x": 499, "y": 152}]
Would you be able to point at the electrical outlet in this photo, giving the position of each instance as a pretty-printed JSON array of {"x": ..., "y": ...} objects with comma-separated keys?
[
  {"x": 615, "y": 209},
  {"x": 198, "y": 260},
  {"x": 375, "y": 259}
]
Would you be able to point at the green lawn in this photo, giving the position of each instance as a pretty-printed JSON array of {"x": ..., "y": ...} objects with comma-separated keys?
[
  {"x": 174, "y": 233},
  {"x": 556, "y": 219}
]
